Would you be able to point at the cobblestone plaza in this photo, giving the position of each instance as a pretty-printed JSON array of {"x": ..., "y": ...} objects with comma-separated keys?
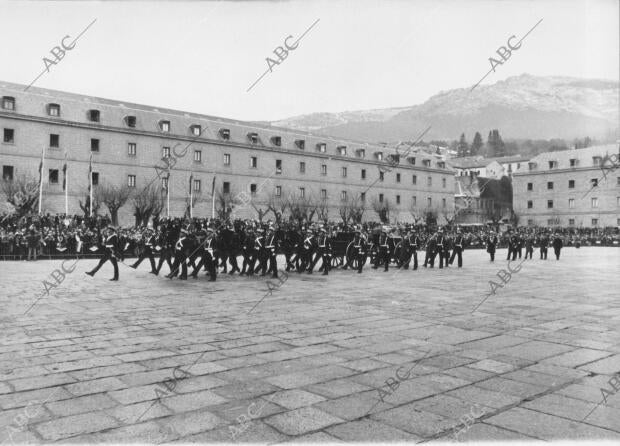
[{"x": 396, "y": 356}]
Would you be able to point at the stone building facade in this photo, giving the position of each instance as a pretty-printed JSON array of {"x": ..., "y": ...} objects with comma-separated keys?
[
  {"x": 126, "y": 141},
  {"x": 570, "y": 188}
]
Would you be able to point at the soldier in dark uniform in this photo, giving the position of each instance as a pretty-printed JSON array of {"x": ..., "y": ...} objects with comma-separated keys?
[
  {"x": 247, "y": 250},
  {"x": 206, "y": 252},
  {"x": 110, "y": 252},
  {"x": 323, "y": 252},
  {"x": 529, "y": 245},
  {"x": 166, "y": 242},
  {"x": 458, "y": 248},
  {"x": 544, "y": 246},
  {"x": 440, "y": 240},
  {"x": 307, "y": 251},
  {"x": 268, "y": 259},
  {"x": 520, "y": 242},
  {"x": 492, "y": 242},
  {"x": 147, "y": 242},
  {"x": 557, "y": 245},
  {"x": 411, "y": 242},
  {"x": 383, "y": 255},
  {"x": 180, "y": 256},
  {"x": 431, "y": 247},
  {"x": 360, "y": 246}
]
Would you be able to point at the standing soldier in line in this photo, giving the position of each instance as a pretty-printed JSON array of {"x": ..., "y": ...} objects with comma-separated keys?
[
  {"x": 414, "y": 244},
  {"x": 440, "y": 248},
  {"x": 206, "y": 253},
  {"x": 544, "y": 245},
  {"x": 520, "y": 242},
  {"x": 458, "y": 248},
  {"x": 360, "y": 246},
  {"x": 147, "y": 242},
  {"x": 110, "y": 253},
  {"x": 247, "y": 249},
  {"x": 383, "y": 256},
  {"x": 529, "y": 245},
  {"x": 557, "y": 245},
  {"x": 323, "y": 252},
  {"x": 307, "y": 252},
  {"x": 492, "y": 242},
  {"x": 180, "y": 256},
  {"x": 431, "y": 246},
  {"x": 447, "y": 248}
]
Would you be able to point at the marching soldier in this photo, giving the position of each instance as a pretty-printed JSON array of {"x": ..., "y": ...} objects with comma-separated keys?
[
  {"x": 207, "y": 258},
  {"x": 110, "y": 253},
  {"x": 268, "y": 254},
  {"x": 431, "y": 246},
  {"x": 180, "y": 256},
  {"x": 147, "y": 242},
  {"x": 323, "y": 252},
  {"x": 166, "y": 244},
  {"x": 383, "y": 255},
  {"x": 360, "y": 246},
  {"x": 557, "y": 245},
  {"x": 440, "y": 248},
  {"x": 544, "y": 246},
  {"x": 529, "y": 245},
  {"x": 458, "y": 248},
  {"x": 247, "y": 249}
]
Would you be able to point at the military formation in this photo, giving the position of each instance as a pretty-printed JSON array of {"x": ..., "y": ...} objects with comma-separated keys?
[{"x": 187, "y": 248}]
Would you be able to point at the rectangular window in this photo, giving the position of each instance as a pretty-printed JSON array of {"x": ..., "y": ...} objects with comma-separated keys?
[
  {"x": 323, "y": 169},
  {"x": 398, "y": 178},
  {"x": 443, "y": 183},
  {"x": 443, "y": 203},
  {"x": 594, "y": 182},
  {"x": 54, "y": 141},
  {"x": 429, "y": 202},
  {"x": 165, "y": 152},
  {"x": 53, "y": 176},
  {"x": 571, "y": 184},
  {"x": 571, "y": 203},
  {"x": 321, "y": 147},
  {"x": 53, "y": 110},
  {"x": 549, "y": 185},
  {"x": 594, "y": 202},
  {"x": 596, "y": 160},
  {"x": 549, "y": 204},
  {"x": 363, "y": 197},
  {"x": 253, "y": 189},
  {"x": 618, "y": 181},
  {"x": 8, "y": 103},
  {"x": 344, "y": 172},
  {"x": 253, "y": 137},
  {"x": 380, "y": 198},
  {"x": 530, "y": 204},
  {"x": 131, "y": 149},
  {"x": 93, "y": 115},
  {"x": 94, "y": 145},
  {"x": 553, "y": 164},
  {"x": 361, "y": 153},
  {"x": 130, "y": 120},
  {"x": 196, "y": 185},
  {"x": 225, "y": 187},
  {"x": 573, "y": 163},
  {"x": 9, "y": 136},
  {"x": 278, "y": 167},
  {"x": 96, "y": 178},
  {"x": 196, "y": 130},
  {"x": 429, "y": 181},
  {"x": 595, "y": 222},
  {"x": 131, "y": 181},
  {"x": 414, "y": 201},
  {"x": 530, "y": 222},
  {"x": 278, "y": 191},
  {"x": 342, "y": 150},
  {"x": 426, "y": 163},
  {"x": 323, "y": 194},
  {"x": 164, "y": 126},
  {"x": 302, "y": 167},
  {"x": 411, "y": 160},
  {"x": 363, "y": 173},
  {"x": 379, "y": 156},
  {"x": 197, "y": 156},
  {"x": 414, "y": 179},
  {"x": 571, "y": 222},
  {"x": 301, "y": 144},
  {"x": 530, "y": 186},
  {"x": 7, "y": 173},
  {"x": 253, "y": 162},
  {"x": 227, "y": 159},
  {"x": 343, "y": 195},
  {"x": 225, "y": 134},
  {"x": 397, "y": 199},
  {"x": 381, "y": 176},
  {"x": 302, "y": 192}
]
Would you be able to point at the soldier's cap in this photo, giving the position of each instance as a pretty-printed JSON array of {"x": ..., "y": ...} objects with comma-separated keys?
[{"x": 111, "y": 228}]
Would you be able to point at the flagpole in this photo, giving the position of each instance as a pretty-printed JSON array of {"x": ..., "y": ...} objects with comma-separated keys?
[
  {"x": 66, "y": 187},
  {"x": 168, "y": 195},
  {"x": 191, "y": 197},
  {"x": 90, "y": 184},
  {"x": 213, "y": 198},
  {"x": 41, "y": 179}
]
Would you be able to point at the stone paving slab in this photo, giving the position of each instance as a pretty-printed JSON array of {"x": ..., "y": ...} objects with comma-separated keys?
[{"x": 151, "y": 360}]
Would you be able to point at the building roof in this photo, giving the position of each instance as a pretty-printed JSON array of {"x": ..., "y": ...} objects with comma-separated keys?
[
  {"x": 584, "y": 158},
  {"x": 510, "y": 159},
  {"x": 468, "y": 162}
]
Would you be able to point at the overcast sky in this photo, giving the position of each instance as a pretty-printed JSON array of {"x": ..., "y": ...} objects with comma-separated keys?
[{"x": 362, "y": 54}]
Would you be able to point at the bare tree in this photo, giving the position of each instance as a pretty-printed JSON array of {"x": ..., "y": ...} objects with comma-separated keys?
[
  {"x": 226, "y": 202},
  {"x": 278, "y": 205},
  {"x": 114, "y": 197},
  {"x": 322, "y": 209},
  {"x": 449, "y": 215},
  {"x": 416, "y": 213},
  {"x": 196, "y": 197},
  {"x": 352, "y": 209},
  {"x": 22, "y": 193},
  {"x": 86, "y": 206},
  {"x": 383, "y": 209},
  {"x": 302, "y": 209},
  {"x": 149, "y": 201}
]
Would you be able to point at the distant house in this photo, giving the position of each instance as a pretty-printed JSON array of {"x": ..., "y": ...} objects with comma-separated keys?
[{"x": 476, "y": 166}]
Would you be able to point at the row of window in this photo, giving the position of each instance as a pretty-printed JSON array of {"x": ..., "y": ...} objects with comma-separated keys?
[
  {"x": 571, "y": 222},
  {"x": 573, "y": 162},
  {"x": 571, "y": 203},
  {"x": 8, "y": 103},
  {"x": 571, "y": 184}
]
